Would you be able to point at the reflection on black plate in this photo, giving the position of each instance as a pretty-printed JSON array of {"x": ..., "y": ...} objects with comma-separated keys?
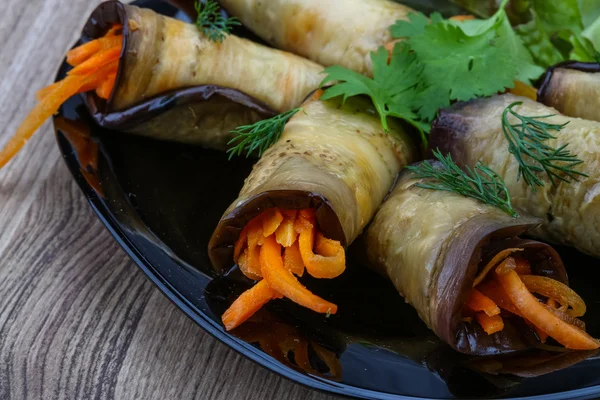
[{"x": 161, "y": 201}]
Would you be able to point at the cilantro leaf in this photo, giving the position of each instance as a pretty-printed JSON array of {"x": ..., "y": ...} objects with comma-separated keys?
[
  {"x": 414, "y": 26},
  {"x": 390, "y": 91},
  {"x": 590, "y": 12}
]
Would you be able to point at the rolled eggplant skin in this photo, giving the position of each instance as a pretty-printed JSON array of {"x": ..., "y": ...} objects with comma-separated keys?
[
  {"x": 164, "y": 54},
  {"x": 411, "y": 236},
  {"x": 206, "y": 123},
  {"x": 574, "y": 90},
  {"x": 329, "y": 32},
  {"x": 339, "y": 151},
  {"x": 571, "y": 210}
]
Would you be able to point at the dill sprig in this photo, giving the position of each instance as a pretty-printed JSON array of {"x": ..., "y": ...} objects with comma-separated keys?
[
  {"x": 260, "y": 135},
  {"x": 213, "y": 24},
  {"x": 526, "y": 143},
  {"x": 480, "y": 183}
]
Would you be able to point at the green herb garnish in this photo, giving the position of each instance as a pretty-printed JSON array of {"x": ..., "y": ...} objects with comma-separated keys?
[
  {"x": 526, "y": 142},
  {"x": 211, "y": 22},
  {"x": 480, "y": 183},
  {"x": 439, "y": 61},
  {"x": 260, "y": 135}
]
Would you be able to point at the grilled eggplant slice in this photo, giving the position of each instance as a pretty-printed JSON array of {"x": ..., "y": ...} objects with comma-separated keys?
[
  {"x": 573, "y": 88},
  {"x": 333, "y": 157},
  {"x": 208, "y": 88},
  {"x": 342, "y": 32},
  {"x": 309, "y": 195},
  {"x": 431, "y": 244},
  {"x": 570, "y": 210}
]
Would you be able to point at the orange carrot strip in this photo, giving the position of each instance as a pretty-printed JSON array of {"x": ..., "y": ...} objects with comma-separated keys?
[
  {"x": 556, "y": 290},
  {"x": 240, "y": 243},
  {"x": 480, "y": 302},
  {"x": 83, "y": 52},
  {"x": 522, "y": 89},
  {"x": 493, "y": 262},
  {"x": 494, "y": 291},
  {"x": 568, "y": 335},
  {"x": 271, "y": 220},
  {"x": 106, "y": 87},
  {"x": 490, "y": 324},
  {"x": 114, "y": 30},
  {"x": 522, "y": 266},
  {"x": 250, "y": 271},
  {"x": 330, "y": 265},
  {"x": 282, "y": 280},
  {"x": 286, "y": 234},
  {"x": 50, "y": 104},
  {"x": 292, "y": 260},
  {"x": 460, "y": 18},
  {"x": 255, "y": 238},
  {"x": 247, "y": 304},
  {"x": 98, "y": 60}
]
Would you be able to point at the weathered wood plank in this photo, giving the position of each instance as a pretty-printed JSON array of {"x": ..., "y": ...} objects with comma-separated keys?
[{"x": 78, "y": 320}]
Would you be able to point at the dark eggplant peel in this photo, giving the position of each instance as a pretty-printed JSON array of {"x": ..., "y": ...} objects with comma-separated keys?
[
  {"x": 310, "y": 195},
  {"x": 328, "y": 32},
  {"x": 463, "y": 266},
  {"x": 573, "y": 88},
  {"x": 569, "y": 209},
  {"x": 160, "y": 77}
]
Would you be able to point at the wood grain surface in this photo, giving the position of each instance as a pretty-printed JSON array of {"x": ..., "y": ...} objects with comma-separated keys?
[{"x": 78, "y": 320}]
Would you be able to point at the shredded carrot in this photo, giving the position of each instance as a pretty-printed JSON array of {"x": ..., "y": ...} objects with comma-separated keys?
[
  {"x": 522, "y": 266},
  {"x": 566, "y": 334},
  {"x": 251, "y": 271},
  {"x": 247, "y": 304},
  {"x": 460, "y": 18},
  {"x": 270, "y": 248},
  {"x": 492, "y": 263},
  {"x": 98, "y": 60},
  {"x": 330, "y": 263},
  {"x": 522, "y": 89},
  {"x": 494, "y": 291},
  {"x": 271, "y": 220},
  {"x": 292, "y": 260},
  {"x": 286, "y": 234},
  {"x": 557, "y": 291},
  {"x": 490, "y": 324},
  {"x": 102, "y": 63},
  {"x": 105, "y": 88},
  {"x": 480, "y": 302},
  {"x": 83, "y": 52},
  {"x": 282, "y": 280}
]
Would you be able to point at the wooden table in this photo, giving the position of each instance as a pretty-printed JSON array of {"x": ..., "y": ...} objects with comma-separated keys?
[{"x": 78, "y": 320}]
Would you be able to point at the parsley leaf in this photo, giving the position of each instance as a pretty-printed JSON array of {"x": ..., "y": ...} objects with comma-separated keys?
[{"x": 391, "y": 89}]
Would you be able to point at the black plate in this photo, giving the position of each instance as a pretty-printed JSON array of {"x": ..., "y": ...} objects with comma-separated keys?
[{"x": 161, "y": 202}]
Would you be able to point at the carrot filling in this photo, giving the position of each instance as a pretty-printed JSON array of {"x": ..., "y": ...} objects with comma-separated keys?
[
  {"x": 505, "y": 288},
  {"x": 276, "y": 247},
  {"x": 95, "y": 67}
]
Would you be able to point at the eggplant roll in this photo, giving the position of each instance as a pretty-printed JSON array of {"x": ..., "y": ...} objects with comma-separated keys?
[
  {"x": 573, "y": 88},
  {"x": 342, "y": 32},
  {"x": 570, "y": 211},
  {"x": 332, "y": 157},
  {"x": 431, "y": 244},
  {"x": 208, "y": 87}
]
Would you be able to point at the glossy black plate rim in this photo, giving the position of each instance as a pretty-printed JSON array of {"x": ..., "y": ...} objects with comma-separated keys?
[{"x": 205, "y": 322}]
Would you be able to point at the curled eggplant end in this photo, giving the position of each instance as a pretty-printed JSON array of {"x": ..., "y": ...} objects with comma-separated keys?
[
  {"x": 141, "y": 117},
  {"x": 274, "y": 248},
  {"x": 572, "y": 88},
  {"x": 222, "y": 242},
  {"x": 501, "y": 308}
]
